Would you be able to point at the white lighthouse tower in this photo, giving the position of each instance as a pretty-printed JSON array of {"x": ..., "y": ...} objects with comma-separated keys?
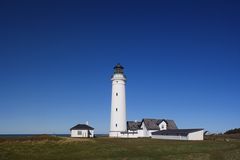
[{"x": 118, "y": 106}]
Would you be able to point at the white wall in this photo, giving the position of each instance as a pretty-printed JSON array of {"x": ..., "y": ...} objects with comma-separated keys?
[
  {"x": 135, "y": 135},
  {"x": 163, "y": 125},
  {"x": 168, "y": 137},
  {"x": 150, "y": 132},
  {"x": 74, "y": 133},
  {"x": 118, "y": 101},
  {"x": 138, "y": 133},
  {"x": 145, "y": 131},
  {"x": 115, "y": 134},
  {"x": 196, "y": 135},
  {"x": 130, "y": 135},
  {"x": 92, "y": 133},
  {"x": 191, "y": 136}
]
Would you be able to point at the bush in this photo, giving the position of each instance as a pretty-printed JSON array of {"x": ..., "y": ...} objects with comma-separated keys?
[{"x": 233, "y": 131}]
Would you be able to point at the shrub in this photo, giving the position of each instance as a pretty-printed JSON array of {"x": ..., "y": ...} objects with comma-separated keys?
[{"x": 233, "y": 131}]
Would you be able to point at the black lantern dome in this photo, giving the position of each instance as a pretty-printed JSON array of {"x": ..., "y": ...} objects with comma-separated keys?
[{"x": 118, "y": 69}]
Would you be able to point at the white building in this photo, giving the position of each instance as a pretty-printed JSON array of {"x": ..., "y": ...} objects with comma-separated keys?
[
  {"x": 118, "y": 105},
  {"x": 82, "y": 130},
  {"x": 147, "y": 126},
  {"x": 179, "y": 134},
  {"x": 161, "y": 129},
  {"x": 154, "y": 128}
]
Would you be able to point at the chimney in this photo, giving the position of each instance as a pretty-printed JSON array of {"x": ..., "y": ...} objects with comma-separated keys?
[{"x": 86, "y": 122}]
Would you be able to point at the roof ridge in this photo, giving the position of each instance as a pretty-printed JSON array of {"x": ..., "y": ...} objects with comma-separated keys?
[{"x": 82, "y": 126}]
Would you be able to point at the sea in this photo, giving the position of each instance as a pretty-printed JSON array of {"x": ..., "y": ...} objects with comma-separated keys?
[{"x": 30, "y": 135}]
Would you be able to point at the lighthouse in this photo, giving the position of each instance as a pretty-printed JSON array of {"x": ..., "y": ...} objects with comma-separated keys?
[{"x": 118, "y": 104}]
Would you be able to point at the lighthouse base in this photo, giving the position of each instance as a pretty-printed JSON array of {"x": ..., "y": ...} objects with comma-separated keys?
[
  {"x": 125, "y": 134},
  {"x": 117, "y": 134}
]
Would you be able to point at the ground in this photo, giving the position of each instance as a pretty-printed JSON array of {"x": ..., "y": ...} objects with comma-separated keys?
[{"x": 55, "y": 148}]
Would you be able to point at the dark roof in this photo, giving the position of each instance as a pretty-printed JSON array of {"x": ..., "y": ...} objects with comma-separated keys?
[
  {"x": 171, "y": 124},
  {"x": 118, "y": 69},
  {"x": 132, "y": 125},
  {"x": 82, "y": 127},
  {"x": 118, "y": 66},
  {"x": 153, "y": 124},
  {"x": 176, "y": 132}
]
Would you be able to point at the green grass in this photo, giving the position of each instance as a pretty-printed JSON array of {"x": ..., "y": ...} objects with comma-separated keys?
[{"x": 55, "y": 148}]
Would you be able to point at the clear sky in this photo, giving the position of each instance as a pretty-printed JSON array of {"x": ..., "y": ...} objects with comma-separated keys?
[{"x": 181, "y": 59}]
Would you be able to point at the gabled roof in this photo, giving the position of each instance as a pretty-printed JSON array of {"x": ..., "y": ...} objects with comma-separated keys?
[
  {"x": 153, "y": 124},
  {"x": 176, "y": 132},
  {"x": 82, "y": 127},
  {"x": 171, "y": 124},
  {"x": 132, "y": 125}
]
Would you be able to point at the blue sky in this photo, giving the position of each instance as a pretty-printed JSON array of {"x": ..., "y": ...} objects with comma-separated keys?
[{"x": 182, "y": 61}]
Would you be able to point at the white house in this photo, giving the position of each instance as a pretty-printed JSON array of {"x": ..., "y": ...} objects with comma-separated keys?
[
  {"x": 82, "y": 130},
  {"x": 160, "y": 129},
  {"x": 147, "y": 126}
]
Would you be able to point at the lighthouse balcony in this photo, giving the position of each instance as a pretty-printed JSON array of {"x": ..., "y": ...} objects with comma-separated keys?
[{"x": 118, "y": 77}]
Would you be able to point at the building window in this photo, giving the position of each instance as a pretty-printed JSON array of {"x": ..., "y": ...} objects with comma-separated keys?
[
  {"x": 79, "y": 132},
  {"x": 116, "y": 109},
  {"x": 116, "y": 94},
  {"x": 116, "y": 124}
]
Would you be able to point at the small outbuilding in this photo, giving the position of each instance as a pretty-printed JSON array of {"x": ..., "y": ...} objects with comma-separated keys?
[
  {"x": 179, "y": 134},
  {"x": 82, "y": 130}
]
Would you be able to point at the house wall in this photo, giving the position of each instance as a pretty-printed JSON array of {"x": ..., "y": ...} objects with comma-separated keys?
[
  {"x": 163, "y": 125},
  {"x": 130, "y": 135},
  {"x": 92, "y": 133},
  {"x": 74, "y": 133},
  {"x": 140, "y": 133},
  {"x": 145, "y": 131},
  {"x": 150, "y": 132},
  {"x": 191, "y": 136},
  {"x": 135, "y": 135},
  {"x": 168, "y": 137},
  {"x": 196, "y": 135}
]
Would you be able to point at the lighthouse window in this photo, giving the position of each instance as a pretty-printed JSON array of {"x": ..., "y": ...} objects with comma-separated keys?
[
  {"x": 116, "y": 124},
  {"x": 116, "y": 94},
  {"x": 116, "y": 109}
]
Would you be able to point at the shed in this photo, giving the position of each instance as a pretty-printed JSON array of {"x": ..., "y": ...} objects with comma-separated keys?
[{"x": 82, "y": 130}]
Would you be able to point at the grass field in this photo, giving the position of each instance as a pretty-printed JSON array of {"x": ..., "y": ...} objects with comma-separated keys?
[{"x": 56, "y": 148}]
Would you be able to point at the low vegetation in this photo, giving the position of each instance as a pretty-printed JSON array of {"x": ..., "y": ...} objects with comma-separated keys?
[
  {"x": 233, "y": 131},
  {"x": 39, "y": 138},
  {"x": 62, "y": 148}
]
